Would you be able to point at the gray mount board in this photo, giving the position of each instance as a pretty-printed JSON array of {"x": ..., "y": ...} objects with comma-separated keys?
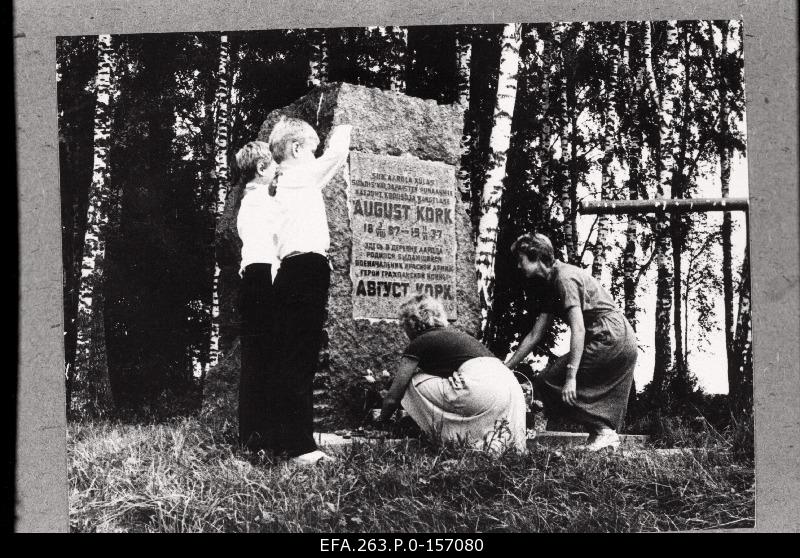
[{"x": 770, "y": 52}]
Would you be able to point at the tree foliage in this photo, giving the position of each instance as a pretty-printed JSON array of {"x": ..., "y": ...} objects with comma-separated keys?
[{"x": 623, "y": 110}]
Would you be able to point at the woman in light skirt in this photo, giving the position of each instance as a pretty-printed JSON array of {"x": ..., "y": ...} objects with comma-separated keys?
[{"x": 453, "y": 387}]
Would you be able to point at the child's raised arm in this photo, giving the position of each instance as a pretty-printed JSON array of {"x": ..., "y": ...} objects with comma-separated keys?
[{"x": 335, "y": 155}]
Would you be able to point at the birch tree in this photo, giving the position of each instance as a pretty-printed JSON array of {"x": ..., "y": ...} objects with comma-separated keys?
[
  {"x": 76, "y": 73},
  {"x": 562, "y": 39},
  {"x": 492, "y": 195},
  {"x": 92, "y": 385},
  {"x": 631, "y": 89},
  {"x": 633, "y": 141},
  {"x": 221, "y": 176},
  {"x": 193, "y": 164},
  {"x": 665, "y": 160},
  {"x": 678, "y": 190},
  {"x": 727, "y": 224},
  {"x": 700, "y": 282},
  {"x": 735, "y": 140},
  {"x": 741, "y": 395},
  {"x": 718, "y": 59},
  {"x": 546, "y": 147},
  {"x": 601, "y": 247},
  {"x": 463, "y": 59}
]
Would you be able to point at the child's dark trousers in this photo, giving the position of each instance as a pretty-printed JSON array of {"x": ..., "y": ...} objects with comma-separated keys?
[
  {"x": 256, "y": 309},
  {"x": 300, "y": 299}
]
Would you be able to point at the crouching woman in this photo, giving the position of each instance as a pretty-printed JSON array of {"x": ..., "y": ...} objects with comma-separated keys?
[
  {"x": 452, "y": 386},
  {"x": 591, "y": 383}
]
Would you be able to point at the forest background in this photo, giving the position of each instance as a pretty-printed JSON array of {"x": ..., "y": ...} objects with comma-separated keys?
[{"x": 554, "y": 114}]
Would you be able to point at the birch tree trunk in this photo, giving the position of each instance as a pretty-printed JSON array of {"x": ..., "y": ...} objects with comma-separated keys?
[
  {"x": 650, "y": 75},
  {"x": 560, "y": 39},
  {"x": 632, "y": 148},
  {"x": 318, "y": 60},
  {"x": 629, "y": 252},
  {"x": 221, "y": 177},
  {"x": 678, "y": 190},
  {"x": 463, "y": 59},
  {"x": 91, "y": 389},
  {"x": 574, "y": 141},
  {"x": 665, "y": 161},
  {"x": 724, "y": 154},
  {"x": 491, "y": 199},
  {"x": 743, "y": 342},
  {"x": 633, "y": 141},
  {"x": 545, "y": 154},
  {"x": 601, "y": 247}
]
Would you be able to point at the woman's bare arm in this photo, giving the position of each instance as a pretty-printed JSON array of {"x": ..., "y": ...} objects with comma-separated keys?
[
  {"x": 391, "y": 402},
  {"x": 530, "y": 341},
  {"x": 576, "y": 344}
]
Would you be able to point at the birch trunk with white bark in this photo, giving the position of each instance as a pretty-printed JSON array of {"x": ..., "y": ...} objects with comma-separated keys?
[
  {"x": 665, "y": 161},
  {"x": 545, "y": 154},
  {"x": 221, "y": 177},
  {"x": 601, "y": 246},
  {"x": 463, "y": 60},
  {"x": 633, "y": 141},
  {"x": 724, "y": 154},
  {"x": 743, "y": 342},
  {"x": 91, "y": 389},
  {"x": 678, "y": 187},
  {"x": 560, "y": 38},
  {"x": 492, "y": 197}
]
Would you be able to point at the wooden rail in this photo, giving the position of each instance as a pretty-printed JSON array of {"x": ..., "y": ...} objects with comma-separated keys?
[{"x": 662, "y": 205}]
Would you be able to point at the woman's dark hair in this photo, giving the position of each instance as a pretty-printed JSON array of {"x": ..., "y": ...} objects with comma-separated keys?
[{"x": 536, "y": 247}]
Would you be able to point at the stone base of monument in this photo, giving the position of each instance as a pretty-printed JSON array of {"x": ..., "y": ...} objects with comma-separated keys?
[
  {"x": 329, "y": 440},
  {"x": 535, "y": 439},
  {"x": 570, "y": 439}
]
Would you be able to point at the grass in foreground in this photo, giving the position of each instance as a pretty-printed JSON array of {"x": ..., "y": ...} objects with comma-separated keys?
[{"x": 185, "y": 476}]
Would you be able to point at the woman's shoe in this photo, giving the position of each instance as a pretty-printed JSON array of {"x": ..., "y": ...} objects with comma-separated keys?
[{"x": 600, "y": 440}]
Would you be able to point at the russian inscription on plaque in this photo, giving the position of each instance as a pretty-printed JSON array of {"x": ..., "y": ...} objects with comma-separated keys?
[{"x": 402, "y": 218}]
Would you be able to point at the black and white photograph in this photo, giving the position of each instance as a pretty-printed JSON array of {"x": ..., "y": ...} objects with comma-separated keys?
[{"x": 464, "y": 278}]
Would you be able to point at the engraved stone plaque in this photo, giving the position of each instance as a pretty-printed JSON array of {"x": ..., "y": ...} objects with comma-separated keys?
[{"x": 402, "y": 218}]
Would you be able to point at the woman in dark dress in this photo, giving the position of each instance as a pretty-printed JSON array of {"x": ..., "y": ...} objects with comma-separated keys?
[
  {"x": 592, "y": 382},
  {"x": 453, "y": 387}
]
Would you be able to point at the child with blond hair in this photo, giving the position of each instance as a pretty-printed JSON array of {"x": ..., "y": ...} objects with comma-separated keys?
[{"x": 301, "y": 286}]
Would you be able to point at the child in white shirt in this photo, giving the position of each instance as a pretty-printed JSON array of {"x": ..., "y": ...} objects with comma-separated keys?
[
  {"x": 255, "y": 225},
  {"x": 255, "y": 221},
  {"x": 302, "y": 283}
]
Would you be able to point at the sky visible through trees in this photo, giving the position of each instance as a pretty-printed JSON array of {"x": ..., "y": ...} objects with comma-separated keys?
[{"x": 705, "y": 347}]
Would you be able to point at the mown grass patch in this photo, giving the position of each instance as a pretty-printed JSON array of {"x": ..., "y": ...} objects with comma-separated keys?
[{"x": 187, "y": 476}]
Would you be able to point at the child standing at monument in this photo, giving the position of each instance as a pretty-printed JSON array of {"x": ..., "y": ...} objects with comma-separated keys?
[
  {"x": 302, "y": 283},
  {"x": 254, "y": 224}
]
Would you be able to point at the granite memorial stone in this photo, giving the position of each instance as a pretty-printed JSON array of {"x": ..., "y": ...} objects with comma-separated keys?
[{"x": 397, "y": 225}]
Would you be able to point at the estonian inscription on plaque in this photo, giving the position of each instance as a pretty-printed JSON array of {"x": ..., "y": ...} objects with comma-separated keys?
[{"x": 402, "y": 218}]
